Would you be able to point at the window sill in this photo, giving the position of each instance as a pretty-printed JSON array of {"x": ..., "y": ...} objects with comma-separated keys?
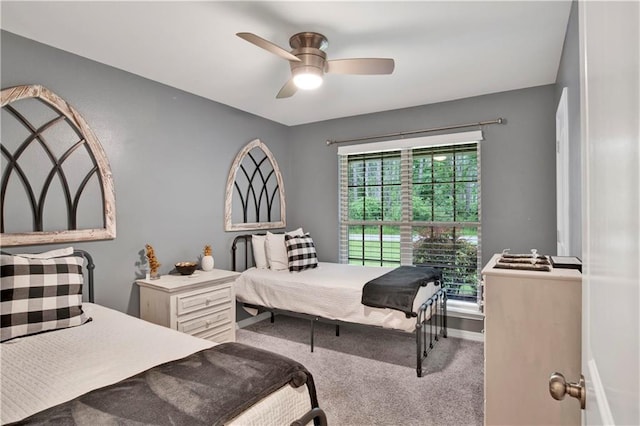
[{"x": 468, "y": 310}]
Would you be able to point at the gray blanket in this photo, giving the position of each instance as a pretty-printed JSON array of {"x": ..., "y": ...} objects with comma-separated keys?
[
  {"x": 209, "y": 387},
  {"x": 398, "y": 288}
]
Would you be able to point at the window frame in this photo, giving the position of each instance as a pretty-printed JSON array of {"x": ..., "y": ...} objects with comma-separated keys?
[{"x": 405, "y": 148}]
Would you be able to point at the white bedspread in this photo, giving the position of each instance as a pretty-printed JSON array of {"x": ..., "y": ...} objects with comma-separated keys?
[
  {"x": 331, "y": 290},
  {"x": 47, "y": 369}
]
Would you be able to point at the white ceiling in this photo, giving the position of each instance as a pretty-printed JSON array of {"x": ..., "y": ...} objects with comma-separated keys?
[{"x": 443, "y": 50}]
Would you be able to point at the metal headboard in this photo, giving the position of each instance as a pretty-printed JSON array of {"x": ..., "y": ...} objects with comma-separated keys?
[
  {"x": 248, "y": 261},
  {"x": 90, "y": 266}
]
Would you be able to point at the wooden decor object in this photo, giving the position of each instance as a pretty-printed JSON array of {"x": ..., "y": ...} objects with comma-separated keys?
[
  {"x": 39, "y": 137},
  {"x": 255, "y": 190}
]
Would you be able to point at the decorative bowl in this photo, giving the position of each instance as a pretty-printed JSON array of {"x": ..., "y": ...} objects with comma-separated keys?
[{"x": 186, "y": 268}]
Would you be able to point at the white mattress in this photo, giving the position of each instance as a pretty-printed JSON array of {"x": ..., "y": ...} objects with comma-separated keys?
[
  {"x": 47, "y": 369},
  {"x": 332, "y": 291}
]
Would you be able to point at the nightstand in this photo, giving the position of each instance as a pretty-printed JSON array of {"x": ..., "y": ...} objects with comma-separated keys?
[{"x": 202, "y": 304}]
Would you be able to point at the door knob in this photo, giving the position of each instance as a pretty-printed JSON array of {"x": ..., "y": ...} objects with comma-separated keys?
[{"x": 558, "y": 388}]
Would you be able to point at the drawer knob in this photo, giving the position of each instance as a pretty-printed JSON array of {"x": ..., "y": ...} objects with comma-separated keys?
[
  {"x": 209, "y": 300},
  {"x": 208, "y": 322}
]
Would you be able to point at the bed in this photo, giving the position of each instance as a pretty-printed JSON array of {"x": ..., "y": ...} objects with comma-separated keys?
[
  {"x": 91, "y": 371},
  {"x": 333, "y": 293}
]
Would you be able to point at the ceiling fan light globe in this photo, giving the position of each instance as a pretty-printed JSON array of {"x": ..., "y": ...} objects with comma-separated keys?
[{"x": 307, "y": 81}]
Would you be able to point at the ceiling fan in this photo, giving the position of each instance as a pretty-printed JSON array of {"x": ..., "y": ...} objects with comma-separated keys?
[{"x": 309, "y": 63}]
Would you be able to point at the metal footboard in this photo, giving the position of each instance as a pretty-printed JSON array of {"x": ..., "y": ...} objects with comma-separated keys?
[
  {"x": 433, "y": 306},
  {"x": 316, "y": 414}
]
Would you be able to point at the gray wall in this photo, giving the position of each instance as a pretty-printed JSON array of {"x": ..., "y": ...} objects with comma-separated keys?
[
  {"x": 569, "y": 77},
  {"x": 518, "y": 167},
  {"x": 169, "y": 151}
]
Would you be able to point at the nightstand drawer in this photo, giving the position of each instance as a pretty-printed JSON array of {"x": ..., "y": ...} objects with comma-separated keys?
[
  {"x": 192, "y": 302},
  {"x": 219, "y": 334},
  {"x": 207, "y": 322}
]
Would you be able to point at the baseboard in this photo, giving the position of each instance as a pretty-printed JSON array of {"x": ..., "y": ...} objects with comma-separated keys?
[
  {"x": 252, "y": 320},
  {"x": 466, "y": 335}
]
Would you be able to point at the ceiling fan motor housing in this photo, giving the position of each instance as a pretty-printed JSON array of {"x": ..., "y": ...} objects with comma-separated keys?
[
  {"x": 312, "y": 61},
  {"x": 308, "y": 39},
  {"x": 309, "y": 48}
]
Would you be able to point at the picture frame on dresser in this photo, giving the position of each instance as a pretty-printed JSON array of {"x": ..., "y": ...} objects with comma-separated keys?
[{"x": 566, "y": 262}]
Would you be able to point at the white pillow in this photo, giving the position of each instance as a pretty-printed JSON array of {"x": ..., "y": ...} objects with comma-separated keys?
[
  {"x": 67, "y": 251},
  {"x": 277, "y": 250},
  {"x": 296, "y": 232},
  {"x": 259, "y": 251}
]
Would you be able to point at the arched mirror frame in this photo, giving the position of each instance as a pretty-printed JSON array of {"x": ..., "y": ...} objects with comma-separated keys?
[
  {"x": 232, "y": 186},
  {"x": 74, "y": 118}
]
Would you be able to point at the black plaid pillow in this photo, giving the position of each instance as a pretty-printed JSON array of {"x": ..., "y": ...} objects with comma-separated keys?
[
  {"x": 40, "y": 294},
  {"x": 301, "y": 252}
]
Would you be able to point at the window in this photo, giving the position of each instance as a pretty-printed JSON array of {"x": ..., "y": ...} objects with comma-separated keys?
[{"x": 414, "y": 204}]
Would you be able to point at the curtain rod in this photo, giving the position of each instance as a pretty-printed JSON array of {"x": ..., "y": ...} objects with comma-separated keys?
[{"x": 499, "y": 120}]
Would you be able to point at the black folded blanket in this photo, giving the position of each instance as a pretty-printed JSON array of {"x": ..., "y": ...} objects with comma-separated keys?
[
  {"x": 209, "y": 387},
  {"x": 398, "y": 288}
]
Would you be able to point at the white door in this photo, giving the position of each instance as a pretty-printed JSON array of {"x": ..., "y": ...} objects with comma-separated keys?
[
  {"x": 610, "y": 89},
  {"x": 562, "y": 175}
]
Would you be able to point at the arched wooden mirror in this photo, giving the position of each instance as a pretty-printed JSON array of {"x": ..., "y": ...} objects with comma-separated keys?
[
  {"x": 56, "y": 183},
  {"x": 255, "y": 191}
]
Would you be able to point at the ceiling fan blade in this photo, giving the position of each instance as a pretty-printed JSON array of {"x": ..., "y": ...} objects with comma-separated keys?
[
  {"x": 289, "y": 89},
  {"x": 267, "y": 45},
  {"x": 360, "y": 66}
]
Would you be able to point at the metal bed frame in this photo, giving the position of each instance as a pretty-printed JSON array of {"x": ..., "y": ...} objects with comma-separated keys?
[
  {"x": 90, "y": 267},
  {"x": 436, "y": 324}
]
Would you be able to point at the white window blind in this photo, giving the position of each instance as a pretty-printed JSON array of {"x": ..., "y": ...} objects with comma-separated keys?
[{"x": 417, "y": 204}]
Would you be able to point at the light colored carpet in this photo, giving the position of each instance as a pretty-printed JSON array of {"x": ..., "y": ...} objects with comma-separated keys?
[{"x": 367, "y": 376}]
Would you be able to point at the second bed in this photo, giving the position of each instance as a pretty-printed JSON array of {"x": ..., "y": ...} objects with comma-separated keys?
[{"x": 332, "y": 292}]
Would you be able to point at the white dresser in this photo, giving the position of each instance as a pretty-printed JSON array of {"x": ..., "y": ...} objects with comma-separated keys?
[
  {"x": 532, "y": 329},
  {"x": 202, "y": 304}
]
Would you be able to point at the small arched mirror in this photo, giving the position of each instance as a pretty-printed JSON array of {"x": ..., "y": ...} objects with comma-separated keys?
[{"x": 254, "y": 196}]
